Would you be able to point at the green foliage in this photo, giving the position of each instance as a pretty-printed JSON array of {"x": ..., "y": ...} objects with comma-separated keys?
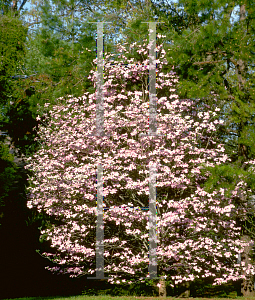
[
  {"x": 65, "y": 70},
  {"x": 214, "y": 56},
  {"x": 198, "y": 288},
  {"x": 227, "y": 176},
  {"x": 12, "y": 35},
  {"x": 12, "y": 189},
  {"x": 19, "y": 125},
  {"x": 204, "y": 288},
  {"x": 119, "y": 290},
  {"x": 12, "y": 51},
  {"x": 7, "y": 173},
  {"x": 5, "y": 6}
]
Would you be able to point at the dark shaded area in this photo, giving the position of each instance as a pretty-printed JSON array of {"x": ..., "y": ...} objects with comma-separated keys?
[
  {"x": 204, "y": 288},
  {"x": 23, "y": 271}
]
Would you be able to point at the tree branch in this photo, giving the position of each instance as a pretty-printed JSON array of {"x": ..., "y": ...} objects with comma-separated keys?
[
  {"x": 131, "y": 5},
  {"x": 30, "y": 24},
  {"x": 22, "y": 4}
]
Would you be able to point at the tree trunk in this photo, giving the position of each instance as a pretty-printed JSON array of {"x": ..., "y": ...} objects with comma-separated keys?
[
  {"x": 247, "y": 286},
  {"x": 162, "y": 287}
]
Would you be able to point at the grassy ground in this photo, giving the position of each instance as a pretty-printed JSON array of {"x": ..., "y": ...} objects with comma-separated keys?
[{"x": 122, "y": 298}]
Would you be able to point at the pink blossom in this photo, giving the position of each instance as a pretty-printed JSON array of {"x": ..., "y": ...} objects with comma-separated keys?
[{"x": 189, "y": 219}]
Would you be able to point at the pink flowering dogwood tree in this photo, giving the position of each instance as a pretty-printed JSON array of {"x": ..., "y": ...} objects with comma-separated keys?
[{"x": 196, "y": 233}]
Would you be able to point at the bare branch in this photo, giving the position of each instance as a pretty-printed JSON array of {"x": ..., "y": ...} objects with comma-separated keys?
[
  {"x": 22, "y": 4},
  {"x": 131, "y": 5},
  {"x": 30, "y": 24}
]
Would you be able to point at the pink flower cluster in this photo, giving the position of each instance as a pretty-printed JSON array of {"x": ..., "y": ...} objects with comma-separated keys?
[{"x": 197, "y": 234}]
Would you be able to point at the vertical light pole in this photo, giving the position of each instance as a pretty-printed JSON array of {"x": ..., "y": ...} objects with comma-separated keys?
[
  {"x": 152, "y": 132},
  {"x": 100, "y": 133}
]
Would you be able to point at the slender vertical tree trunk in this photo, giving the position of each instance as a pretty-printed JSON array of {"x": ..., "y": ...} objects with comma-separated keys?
[
  {"x": 162, "y": 282},
  {"x": 162, "y": 288},
  {"x": 247, "y": 286}
]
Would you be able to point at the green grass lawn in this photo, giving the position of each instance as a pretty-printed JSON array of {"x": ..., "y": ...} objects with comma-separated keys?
[{"x": 120, "y": 298}]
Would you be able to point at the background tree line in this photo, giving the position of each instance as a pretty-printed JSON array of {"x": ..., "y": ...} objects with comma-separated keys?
[{"x": 47, "y": 53}]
